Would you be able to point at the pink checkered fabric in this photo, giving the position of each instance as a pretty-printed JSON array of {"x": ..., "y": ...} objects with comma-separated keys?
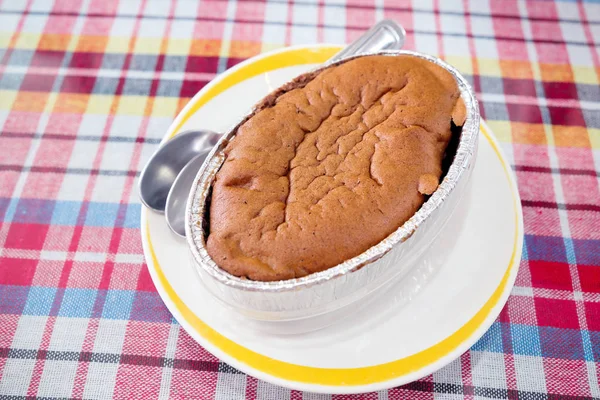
[{"x": 89, "y": 87}]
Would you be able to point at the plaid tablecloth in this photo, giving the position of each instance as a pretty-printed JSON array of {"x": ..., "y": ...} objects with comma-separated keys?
[{"x": 89, "y": 87}]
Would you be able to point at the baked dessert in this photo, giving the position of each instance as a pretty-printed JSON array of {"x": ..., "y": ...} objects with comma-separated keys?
[{"x": 330, "y": 165}]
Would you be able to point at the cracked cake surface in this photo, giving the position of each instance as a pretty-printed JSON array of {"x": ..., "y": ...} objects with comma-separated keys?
[{"x": 331, "y": 165}]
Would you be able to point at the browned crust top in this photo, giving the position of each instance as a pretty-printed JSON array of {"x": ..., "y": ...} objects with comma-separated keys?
[{"x": 328, "y": 167}]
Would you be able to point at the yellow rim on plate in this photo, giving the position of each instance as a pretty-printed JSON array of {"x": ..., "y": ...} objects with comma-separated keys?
[
  {"x": 314, "y": 375},
  {"x": 291, "y": 57}
]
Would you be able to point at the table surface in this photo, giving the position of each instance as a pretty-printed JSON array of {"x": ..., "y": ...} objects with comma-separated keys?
[{"x": 88, "y": 89}]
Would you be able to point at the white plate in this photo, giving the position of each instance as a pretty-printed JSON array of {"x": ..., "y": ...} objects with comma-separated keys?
[{"x": 430, "y": 318}]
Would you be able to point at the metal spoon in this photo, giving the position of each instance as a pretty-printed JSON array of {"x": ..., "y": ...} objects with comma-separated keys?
[
  {"x": 163, "y": 167},
  {"x": 178, "y": 195},
  {"x": 385, "y": 35}
]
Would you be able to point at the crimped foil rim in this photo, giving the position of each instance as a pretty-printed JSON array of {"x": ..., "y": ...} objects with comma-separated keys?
[{"x": 196, "y": 205}]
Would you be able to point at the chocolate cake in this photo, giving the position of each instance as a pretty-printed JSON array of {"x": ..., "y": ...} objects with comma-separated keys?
[{"x": 330, "y": 165}]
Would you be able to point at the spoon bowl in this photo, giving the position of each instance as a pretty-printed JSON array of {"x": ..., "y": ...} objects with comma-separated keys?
[
  {"x": 164, "y": 166},
  {"x": 179, "y": 193}
]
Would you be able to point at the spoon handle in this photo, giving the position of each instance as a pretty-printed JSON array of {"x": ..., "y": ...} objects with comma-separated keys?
[{"x": 385, "y": 35}]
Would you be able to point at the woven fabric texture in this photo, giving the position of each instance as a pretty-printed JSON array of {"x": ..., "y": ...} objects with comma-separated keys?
[{"x": 89, "y": 87}]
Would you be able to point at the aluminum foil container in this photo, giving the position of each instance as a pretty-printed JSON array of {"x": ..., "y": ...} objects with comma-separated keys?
[{"x": 348, "y": 282}]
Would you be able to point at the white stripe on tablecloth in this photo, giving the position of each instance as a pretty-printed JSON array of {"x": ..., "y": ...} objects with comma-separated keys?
[
  {"x": 530, "y": 373},
  {"x": 230, "y": 386},
  {"x": 562, "y": 213},
  {"x": 227, "y": 34},
  {"x": 167, "y": 371},
  {"x": 488, "y": 369},
  {"x": 17, "y": 372},
  {"x": 267, "y": 391}
]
